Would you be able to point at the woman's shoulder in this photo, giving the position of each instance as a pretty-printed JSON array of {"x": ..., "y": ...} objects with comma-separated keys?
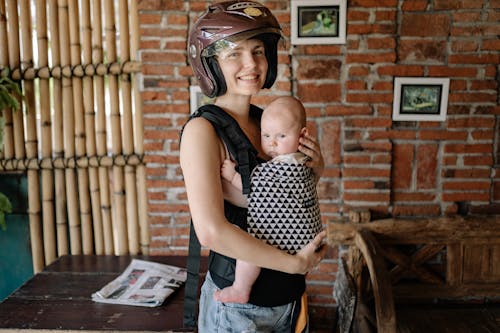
[{"x": 198, "y": 127}]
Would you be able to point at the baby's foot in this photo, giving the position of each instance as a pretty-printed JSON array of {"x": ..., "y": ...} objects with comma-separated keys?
[{"x": 232, "y": 295}]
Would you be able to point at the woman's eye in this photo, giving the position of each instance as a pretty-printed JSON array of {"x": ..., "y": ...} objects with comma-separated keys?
[{"x": 259, "y": 52}]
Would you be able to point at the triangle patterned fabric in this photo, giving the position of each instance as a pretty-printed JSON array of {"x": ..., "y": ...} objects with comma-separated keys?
[{"x": 283, "y": 207}]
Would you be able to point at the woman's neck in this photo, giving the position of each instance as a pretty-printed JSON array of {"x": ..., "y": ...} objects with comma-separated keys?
[{"x": 238, "y": 106}]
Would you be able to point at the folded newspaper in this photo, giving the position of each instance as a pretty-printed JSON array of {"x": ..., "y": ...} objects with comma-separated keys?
[{"x": 143, "y": 283}]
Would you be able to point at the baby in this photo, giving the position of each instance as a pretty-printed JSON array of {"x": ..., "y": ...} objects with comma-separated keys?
[{"x": 283, "y": 207}]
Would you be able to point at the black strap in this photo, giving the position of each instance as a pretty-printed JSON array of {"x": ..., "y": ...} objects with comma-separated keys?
[
  {"x": 192, "y": 282},
  {"x": 239, "y": 146}
]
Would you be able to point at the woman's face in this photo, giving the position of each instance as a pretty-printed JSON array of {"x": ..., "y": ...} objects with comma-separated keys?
[{"x": 244, "y": 67}]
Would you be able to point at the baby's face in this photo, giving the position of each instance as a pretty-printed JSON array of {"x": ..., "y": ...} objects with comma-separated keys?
[{"x": 280, "y": 134}]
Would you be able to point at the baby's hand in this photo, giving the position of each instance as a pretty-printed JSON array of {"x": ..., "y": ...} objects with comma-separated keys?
[{"x": 228, "y": 170}]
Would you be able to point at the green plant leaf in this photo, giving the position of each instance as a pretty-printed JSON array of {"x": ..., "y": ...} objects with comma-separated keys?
[{"x": 5, "y": 207}]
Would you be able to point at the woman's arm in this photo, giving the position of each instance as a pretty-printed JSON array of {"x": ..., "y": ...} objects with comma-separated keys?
[{"x": 201, "y": 157}]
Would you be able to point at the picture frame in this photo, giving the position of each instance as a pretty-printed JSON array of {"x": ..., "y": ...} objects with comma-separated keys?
[
  {"x": 420, "y": 99},
  {"x": 197, "y": 98},
  {"x": 318, "y": 21}
]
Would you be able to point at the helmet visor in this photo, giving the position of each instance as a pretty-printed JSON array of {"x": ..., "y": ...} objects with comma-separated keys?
[{"x": 230, "y": 42}]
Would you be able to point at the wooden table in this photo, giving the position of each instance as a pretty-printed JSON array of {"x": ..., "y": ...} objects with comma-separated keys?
[{"x": 59, "y": 298}]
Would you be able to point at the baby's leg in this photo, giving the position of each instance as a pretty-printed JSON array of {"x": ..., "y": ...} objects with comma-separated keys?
[{"x": 244, "y": 277}]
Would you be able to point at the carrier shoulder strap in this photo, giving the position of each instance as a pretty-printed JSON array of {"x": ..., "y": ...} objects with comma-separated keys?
[
  {"x": 242, "y": 150},
  {"x": 237, "y": 143}
]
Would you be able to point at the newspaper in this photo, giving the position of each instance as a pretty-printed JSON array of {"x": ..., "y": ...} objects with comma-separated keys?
[{"x": 143, "y": 283}]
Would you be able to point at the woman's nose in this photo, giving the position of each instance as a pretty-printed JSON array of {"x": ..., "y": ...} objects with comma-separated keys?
[{"x": 250, "y": 60}]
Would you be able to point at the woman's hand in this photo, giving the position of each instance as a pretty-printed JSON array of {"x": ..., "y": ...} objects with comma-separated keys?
[
  {"x": 312, "y": 253},
  {"x": 310, "y": 147}
]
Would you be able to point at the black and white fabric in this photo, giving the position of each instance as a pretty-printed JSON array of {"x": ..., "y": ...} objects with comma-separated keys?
[{"x": 283, "y": 207}]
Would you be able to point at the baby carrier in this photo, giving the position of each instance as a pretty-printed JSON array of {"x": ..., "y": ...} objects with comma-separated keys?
[
  {"x": 242, "y": 150},
  {"x": 283, "y": 207}
]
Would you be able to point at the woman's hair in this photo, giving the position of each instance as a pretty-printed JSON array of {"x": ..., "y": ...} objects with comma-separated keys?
[{"x": 222, "y": 25}]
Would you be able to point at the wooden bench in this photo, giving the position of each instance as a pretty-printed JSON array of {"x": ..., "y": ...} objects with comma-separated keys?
[{"x": 403, "y": 269}]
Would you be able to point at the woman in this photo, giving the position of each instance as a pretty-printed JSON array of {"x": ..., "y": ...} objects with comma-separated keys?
[{"x": 233, "y": 53}]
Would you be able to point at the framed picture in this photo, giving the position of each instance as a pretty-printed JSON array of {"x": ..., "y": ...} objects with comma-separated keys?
[
  {"x": 420, "y": 99},
  {"x": 318, "y": 21},
  {"x": 197, "y": 98}
]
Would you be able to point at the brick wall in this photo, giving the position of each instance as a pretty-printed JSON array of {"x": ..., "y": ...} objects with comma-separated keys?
[{"x": 392, "y": 168}]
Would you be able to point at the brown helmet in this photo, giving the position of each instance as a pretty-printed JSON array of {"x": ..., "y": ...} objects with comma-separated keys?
[{"x": 222, "y": 24}]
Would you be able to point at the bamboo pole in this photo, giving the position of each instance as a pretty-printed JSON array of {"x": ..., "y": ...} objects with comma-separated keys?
[
  {"x": 79, "y": 138},
  {"x": 69, "y": 131},
  {"x": 88, "y": 107},
  {"x": 128, "y": 129},
  {"x": 58, "y": 130},
  {"x": 49, "y": 233},
  {"x": 119, "y": 218},
  {"x": 34, "y": 209},
  {"x": 14, "y": 62},
  {"x": 18, "y": 127},
  {"x": 142, "y": 194},
  {"x": 101, "y": 133},
  {"x": 8, "y": 134}
]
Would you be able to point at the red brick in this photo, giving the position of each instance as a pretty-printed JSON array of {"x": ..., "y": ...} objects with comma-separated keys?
[
  {"x": 365, "y": 172},
  {"x": 457, "y": 4},
  {"x": 452, "y": 71},
  {"x": 414, "y": 5},
  {"x": 425, "y": 25},
  {"x": 422, "y": 50},
  {"x": 468, "y": 173},
  {"x": 381, "y": 43},
  {"x": 357, "y": 15},
  {"x": 442, "y": 135},
  {"x": 367, "y": 197},
  {"x": 309, "y": 69},
  {"x": 399, "y": 196},
  {"x": 478, "y": 160},
  {"x": 467, "y": 148},
  {"x": 359, "y": 71},
  {"x": 373, "y": 3},
  {"x": 416, "y": 210},
  {"x": 464, "y": 46},
  {"x": 469, "y": 97},
  {"x": 161, "y": 5},
  {"x": 330, "y": 141},
  {"x": 496, "y": 191},
  {"x": 318, "y": 92},
  {"x": 386, "y": 15},
  {"x": 149, "y": 18},
  {"x": 345, "y": 110},
  {"x": 371, "y": 58},
  {"x": 400, "y": 70},
  {"x": 466, "y": 196},
  {"x": 370, "y": 97},
  {"x": 473, "y": 59},
  {"x": 471, "y": 122},
  {"x": 427, "y": 162},
  {"x": 402, "y": 166},
  {"x": 466, "y": 186}
]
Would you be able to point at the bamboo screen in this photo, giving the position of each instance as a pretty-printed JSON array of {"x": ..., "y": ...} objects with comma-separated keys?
[{"x": 80, "y": 135}]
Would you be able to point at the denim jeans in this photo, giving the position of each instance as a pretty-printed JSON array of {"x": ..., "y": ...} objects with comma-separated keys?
[{"x": 217, "y": 317}]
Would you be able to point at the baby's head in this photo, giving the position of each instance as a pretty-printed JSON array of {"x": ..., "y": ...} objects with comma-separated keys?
[{"x": 283, "y": 123}]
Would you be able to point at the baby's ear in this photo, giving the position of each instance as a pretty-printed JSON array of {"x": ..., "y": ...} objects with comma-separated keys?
[{"x": 303, "y": 131}]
